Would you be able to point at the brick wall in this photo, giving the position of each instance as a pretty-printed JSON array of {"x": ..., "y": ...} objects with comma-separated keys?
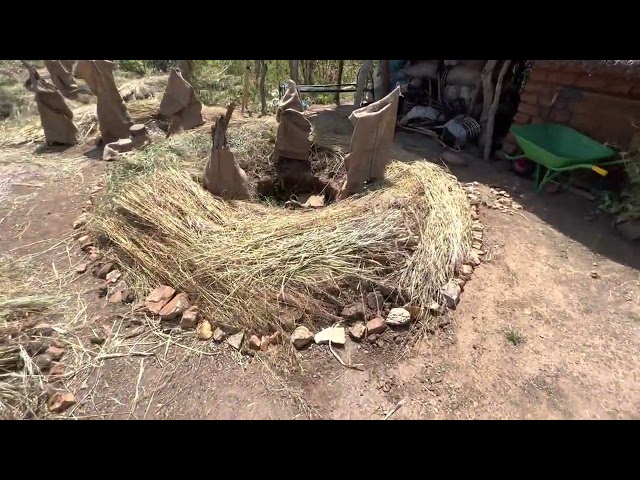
[{"x": 601, "y": 103}]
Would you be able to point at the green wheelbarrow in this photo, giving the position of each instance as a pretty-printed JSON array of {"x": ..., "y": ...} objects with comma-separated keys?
[{"x": 557, "y": 149}]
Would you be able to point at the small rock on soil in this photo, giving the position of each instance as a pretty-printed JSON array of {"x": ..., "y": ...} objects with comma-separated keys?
[
  {"x": 264, "y": 342},
  {"x": 594, "y": 274},
  {"x": 398, "y": 317},
  {"x": 254, "y": 343},
  {"x": 102, "y": 271},
  {"x": 113, "y": 276},
  {"x": 451, "y": 293},
  {"x": 60, "y": 401},
  {"x": 116, "y": 297},
  {"x": 189, "y": 318},
  {"x": 375, "y": 301},
  {"x": 81, "y": 221},
  {"x": 218, "y": 334},
  {"x": 158, "y": 298},
  {"x": 376, "y": 326},
  {"x": 85, "y": 242},
  {"x": 333, "y": 334},
  {"x": 82, "y": 267},
  {"x": 355, "y": 311},
  {"x": 204, "y": 331},
  {"x": 175, "y": 307},
  {"x": 301, "y": 337},
  {"x": 358, "y": 331},
  {"x": 467, "y": 271},
  {"x": 236, "y": 340}
]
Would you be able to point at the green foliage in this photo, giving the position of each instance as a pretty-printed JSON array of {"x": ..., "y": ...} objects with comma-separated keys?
[
  {"x": 217, "y": 82},
  {"x": 133, "y": 66},
  {"x": 626, "y": 206}
]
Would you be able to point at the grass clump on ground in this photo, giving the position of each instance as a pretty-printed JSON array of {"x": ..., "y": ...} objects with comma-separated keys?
[{"x": 20, "y": 307}]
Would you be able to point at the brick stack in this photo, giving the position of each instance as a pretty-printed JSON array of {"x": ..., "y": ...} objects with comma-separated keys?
[{"x": 603, "y": 105}]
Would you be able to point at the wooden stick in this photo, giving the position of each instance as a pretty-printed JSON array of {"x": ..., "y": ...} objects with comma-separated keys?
[
  {"x": 219, "y": 129},
  {"x": 340, "y": 70},
  {"x": 493, "y": 109}
]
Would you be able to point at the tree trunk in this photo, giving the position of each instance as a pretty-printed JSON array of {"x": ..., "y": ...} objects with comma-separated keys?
[
  {"x": 363, "y": 73},
  {"x": 256, "y": 72},
  {"x": 339, "y": 82},
  {"x": 386, "y": 77},
  {"x": 186, "y": 68},
  {"x": 245, "y": 91},
  {"x": 493, "y": 109},
  {"x": 487, "y": 96},
  {"x": 293, "y": 70},
  {"x": 307, "y": 71},
  {"x": 263, "y": 93}
]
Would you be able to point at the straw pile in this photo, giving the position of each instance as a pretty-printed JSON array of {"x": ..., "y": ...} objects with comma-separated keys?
[{"x": 243, "y": 261}]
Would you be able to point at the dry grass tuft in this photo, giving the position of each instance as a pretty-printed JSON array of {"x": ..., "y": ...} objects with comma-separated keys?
[
  {"x": 84, "y": 118},
  {"x": 20, "y": 380},
  {"x": 242, "y": 261}
]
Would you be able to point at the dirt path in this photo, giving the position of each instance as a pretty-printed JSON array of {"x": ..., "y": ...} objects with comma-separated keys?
[{"x": 580, "y": 334}]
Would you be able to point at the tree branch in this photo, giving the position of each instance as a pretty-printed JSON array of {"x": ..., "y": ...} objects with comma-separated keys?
[{"x": 493, "y": 109}]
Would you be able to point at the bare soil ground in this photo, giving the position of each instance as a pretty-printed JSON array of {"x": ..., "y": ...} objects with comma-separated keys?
[{"x": 578, "y": 357}]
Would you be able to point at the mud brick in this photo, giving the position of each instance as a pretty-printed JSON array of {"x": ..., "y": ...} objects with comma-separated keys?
[
  {"x": 591, "y": 82},
  {"x": 562, "y": 78},
  {"x": 538, "y": 74},
  {"x": 521, "y": 118},
  {"x": 528, "y": 109},
  {"x": 530, "y": 98}
]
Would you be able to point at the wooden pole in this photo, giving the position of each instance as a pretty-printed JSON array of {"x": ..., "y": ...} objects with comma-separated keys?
[
  {"x": 493, "y": 109},
  {"x": 386, "y": 77},
  {"x": 340, "y": 70}
]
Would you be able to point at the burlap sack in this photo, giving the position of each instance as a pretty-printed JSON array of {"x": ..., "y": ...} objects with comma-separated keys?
[
  {"x": 113, "y": 118},
  {"x": 292, "y": 139},
  {"x": 371, "y": 143},
  {"x": 55, "y": 115},
  {"x": 223, "y": 176},
  {"x": 180, "y": 103},
  {"x": 62, "y": 77},
  {"x": 290, "y": 100}
]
